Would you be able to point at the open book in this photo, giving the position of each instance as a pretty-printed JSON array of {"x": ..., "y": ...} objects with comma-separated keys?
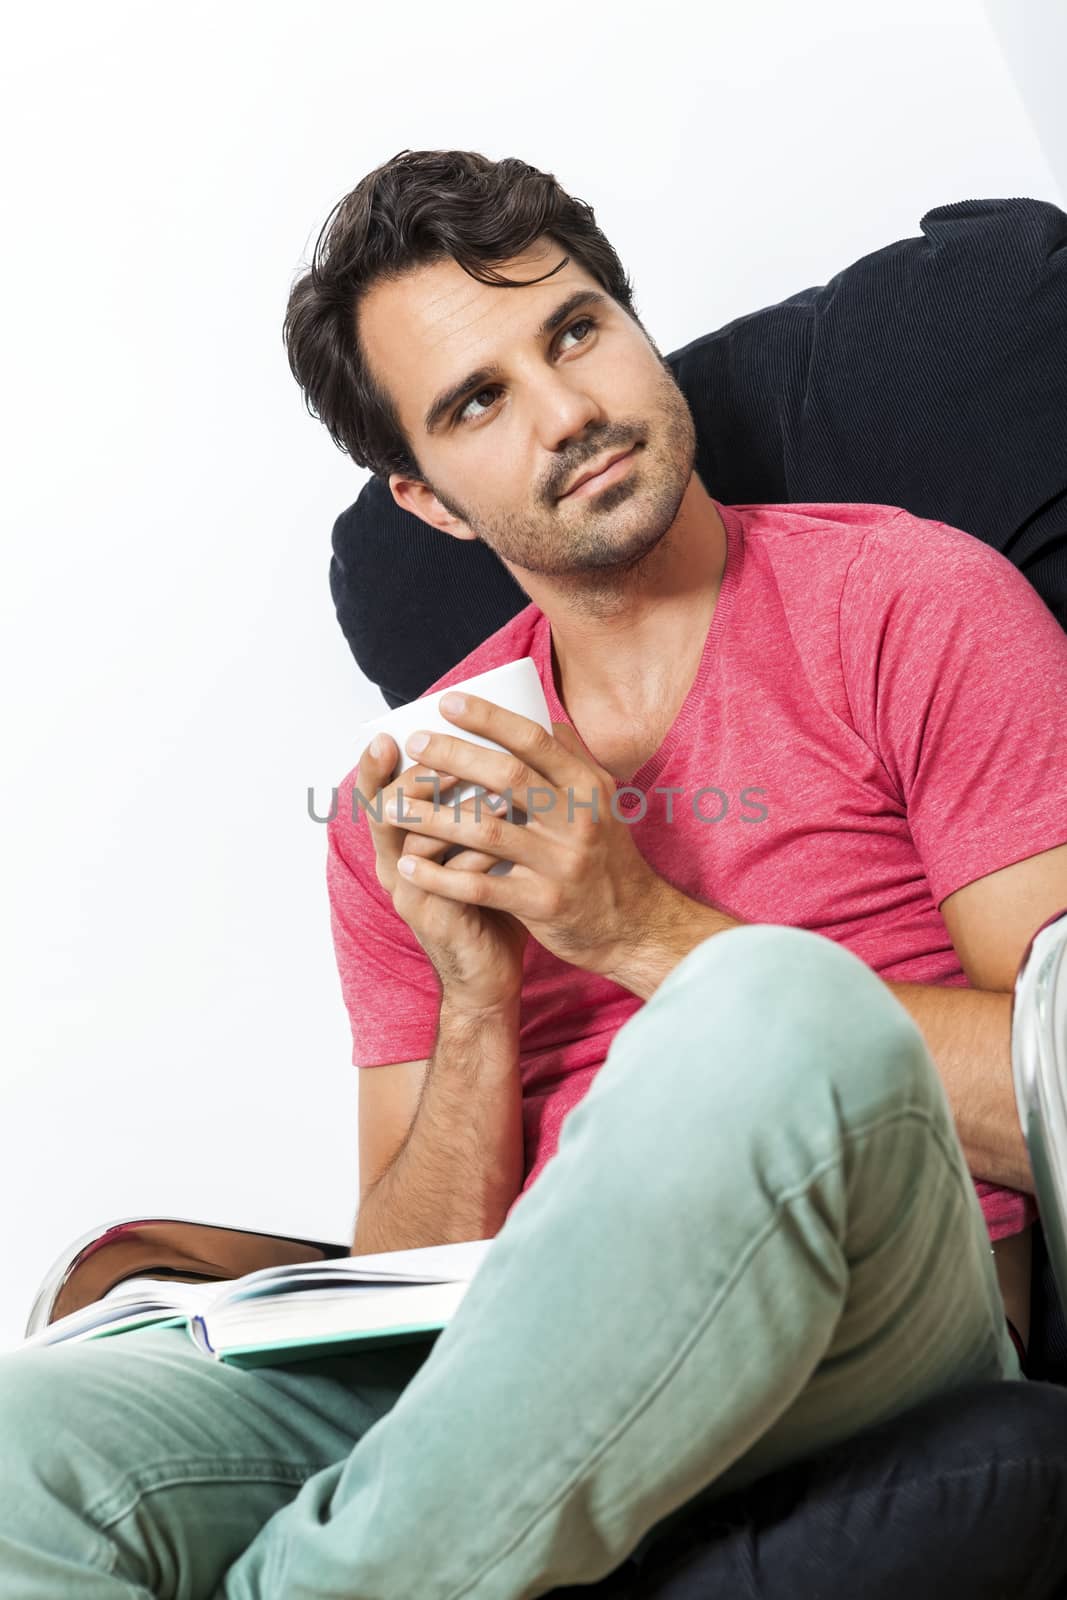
[{"x": 291, "y": 1313}]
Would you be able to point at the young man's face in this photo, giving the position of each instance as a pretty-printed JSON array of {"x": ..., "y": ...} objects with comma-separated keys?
[{"x": 502, "y": 454}]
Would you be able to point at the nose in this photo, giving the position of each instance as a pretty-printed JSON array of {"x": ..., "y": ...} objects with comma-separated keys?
[{"x": 563, "y": 411}]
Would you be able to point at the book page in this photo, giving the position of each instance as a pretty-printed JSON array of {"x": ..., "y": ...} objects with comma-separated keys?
[
  {"x": 444, "y": 1263},
  {"x": 325, "y": 1315},
  {"x": 178, "y": 1296}
]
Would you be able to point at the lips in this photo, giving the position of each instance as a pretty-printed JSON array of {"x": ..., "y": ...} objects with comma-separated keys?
[{"x": 594, "y": 472}]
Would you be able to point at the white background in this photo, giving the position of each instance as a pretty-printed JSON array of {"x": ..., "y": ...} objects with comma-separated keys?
[{"x": 173, "y": 1038}]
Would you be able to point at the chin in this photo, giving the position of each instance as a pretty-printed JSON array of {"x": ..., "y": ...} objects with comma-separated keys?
[{"x": 605, "y": 547}]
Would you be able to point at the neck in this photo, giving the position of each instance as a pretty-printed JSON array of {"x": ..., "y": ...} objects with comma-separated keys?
[{"x": 628, "y": 638}]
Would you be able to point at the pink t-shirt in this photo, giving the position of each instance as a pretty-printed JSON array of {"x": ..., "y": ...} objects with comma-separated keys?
[{"x": 876, "y": 721}]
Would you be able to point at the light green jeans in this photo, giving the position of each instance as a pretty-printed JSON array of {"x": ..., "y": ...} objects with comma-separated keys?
[{"x": 758, "y": 1236}]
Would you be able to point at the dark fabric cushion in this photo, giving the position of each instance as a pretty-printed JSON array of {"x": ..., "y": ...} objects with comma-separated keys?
[
  {"x": 964, "y": 1496},
  {"x": 931, "y": 375},
  {"x": 1046, "y": 1353},
  {"x": 410, "y": 600}
]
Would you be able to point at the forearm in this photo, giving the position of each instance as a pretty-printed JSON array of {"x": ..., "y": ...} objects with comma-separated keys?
[
  {"x": 968, "y": 1033},
  {"x": 672, "y": 925},
  {"x": 460, "y": 1166}
]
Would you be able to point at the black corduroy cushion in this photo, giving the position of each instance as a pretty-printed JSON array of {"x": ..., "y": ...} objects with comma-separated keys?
[
  {"x": 931, "y": 374},
  {"x": 961, "y": 1498}
]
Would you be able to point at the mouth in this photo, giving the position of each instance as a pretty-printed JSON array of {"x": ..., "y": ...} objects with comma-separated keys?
[{"x": 616, "y": 468}]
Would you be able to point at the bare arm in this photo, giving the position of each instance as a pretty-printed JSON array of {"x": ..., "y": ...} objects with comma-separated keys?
[
  {"x": 459, "y": 1167},
  {"x": 968, "y": 1033}
]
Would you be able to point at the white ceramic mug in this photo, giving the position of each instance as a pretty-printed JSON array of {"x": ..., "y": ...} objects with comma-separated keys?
[{"x": 516, "y": 687}]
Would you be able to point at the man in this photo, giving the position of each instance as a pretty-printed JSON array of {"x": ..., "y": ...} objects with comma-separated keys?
[
  {"x": 776, "y": 1017},
  {"x": 630, "y": 578}
]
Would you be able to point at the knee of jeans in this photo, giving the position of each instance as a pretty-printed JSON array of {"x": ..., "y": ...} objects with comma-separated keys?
[{"x": 782, "y": 1003}]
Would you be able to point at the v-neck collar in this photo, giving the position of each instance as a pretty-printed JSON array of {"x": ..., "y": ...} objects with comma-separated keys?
[{"x": 645, "y": 777}]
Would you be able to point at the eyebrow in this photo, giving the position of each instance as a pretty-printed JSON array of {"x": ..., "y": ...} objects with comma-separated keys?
[{"x": 483, "y": 376}]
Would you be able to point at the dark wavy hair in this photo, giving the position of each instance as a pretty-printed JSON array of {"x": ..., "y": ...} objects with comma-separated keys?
[{"x": 419, "y": 208}]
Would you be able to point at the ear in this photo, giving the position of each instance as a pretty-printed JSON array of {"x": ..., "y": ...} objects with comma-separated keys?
[{"x": 411, "y": 494}]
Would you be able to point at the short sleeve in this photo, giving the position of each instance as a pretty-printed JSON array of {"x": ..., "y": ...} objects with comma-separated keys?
[
  {"x": 390, "y": 989},
  {"x": 956, "y": 673}
]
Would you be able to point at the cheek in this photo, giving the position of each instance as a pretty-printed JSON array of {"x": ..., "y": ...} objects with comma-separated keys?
[{"x": 638, "y": 389}]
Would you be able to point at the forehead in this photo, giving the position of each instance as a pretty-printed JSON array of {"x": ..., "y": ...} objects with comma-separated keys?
[{"x": 423, "y": 332}]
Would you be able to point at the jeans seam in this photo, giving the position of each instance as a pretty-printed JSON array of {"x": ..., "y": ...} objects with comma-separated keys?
[
  {"x": 191, "y": 1470},
  {"x": 786, "y": 1197}
]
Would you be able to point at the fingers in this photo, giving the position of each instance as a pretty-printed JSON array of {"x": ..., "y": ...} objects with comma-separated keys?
[
  {"x": 539, "y": 771},
  {"x": 376, "y": 786},
  {"x": 466, "y": 860},
  {"x": 489, "y": 829},
  {"x": 391, "y": 839},
  {"x": 520, "y": 893},
  {"x": 432, "y": 849},
  {"x": 544, "y": 758}
]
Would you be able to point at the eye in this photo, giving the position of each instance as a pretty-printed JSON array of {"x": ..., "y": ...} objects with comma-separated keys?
[
  {"x": 462, "y": 418},
  {"x": 583, "y": 322}
]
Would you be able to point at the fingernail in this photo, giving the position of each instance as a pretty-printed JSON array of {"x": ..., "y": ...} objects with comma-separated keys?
[
  {"x": 376, "y": 745},
  {"x": 417, "y": 742},
  {"x": 453, "y": 702}
]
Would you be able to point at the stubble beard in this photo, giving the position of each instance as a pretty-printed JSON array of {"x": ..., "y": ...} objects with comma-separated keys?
[{"x": 588, "y": 544}]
